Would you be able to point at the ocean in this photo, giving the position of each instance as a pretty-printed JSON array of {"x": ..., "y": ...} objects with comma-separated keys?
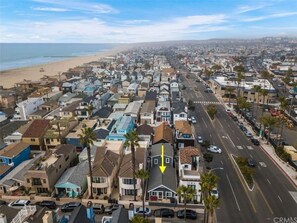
[{"x": 18, "y": 55}]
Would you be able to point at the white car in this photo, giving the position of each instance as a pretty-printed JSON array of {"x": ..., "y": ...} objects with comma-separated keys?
[
  {"x": 214, "y": 149},
  {"x": 140, "y": 211},
  {"x": 199, "y": 139},
  {"x": 193, "y": 120},
  {"x": 19, "y": 204},
  {"x": 214, "y": 192}
]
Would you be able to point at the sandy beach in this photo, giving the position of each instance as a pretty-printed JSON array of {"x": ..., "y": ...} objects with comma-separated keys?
[{"x": 9, "y": 77}]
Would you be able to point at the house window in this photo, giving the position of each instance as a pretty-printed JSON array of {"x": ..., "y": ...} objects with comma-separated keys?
[
  {"x": 167, "y": 160},
  {"x": 1, "y": 160},
  {"x": 155, "y": 161},
  {"x": 32, "y": 140},
  {"x": 192, "y": 186},
  {"x": 168, "y": 194},
  {"x": 130, "y": 192},
  {"x": 99, "y": 180},
  {"x": 181, "y": 145},
  {"x": 44, "y": 181},
  {"x": 186, "y": 166},
  {"x": 182, "y": 115},
  {"x": 77, "y": 190},
  {"x": 68, "y": 189},
  {"x": 28, "y": 181},
  {"x": 128, "y": 181}
]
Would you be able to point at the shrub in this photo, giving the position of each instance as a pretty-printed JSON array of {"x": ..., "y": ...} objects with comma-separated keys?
[{"x": 208, "y": 157}]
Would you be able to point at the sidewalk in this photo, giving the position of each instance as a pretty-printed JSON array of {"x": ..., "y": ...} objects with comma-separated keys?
[{"x": 288, "y": 170}]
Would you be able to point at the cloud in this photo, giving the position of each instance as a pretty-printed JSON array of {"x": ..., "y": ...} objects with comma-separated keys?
[
  {"x": 135, "y": 21},
  {"x": 247, "y": 8},
  {"x": 276, "y": 15},
  {"x": 96, "y": 30},
  {"x": 79, "y": 6},
  {"x": 50, "y": 9}
]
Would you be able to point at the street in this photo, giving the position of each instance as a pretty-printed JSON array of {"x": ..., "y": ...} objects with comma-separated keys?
[{"x": 273, "y": 193}]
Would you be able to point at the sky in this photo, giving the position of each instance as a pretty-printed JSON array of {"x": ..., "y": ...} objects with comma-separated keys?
[{"x": 130, "y": 21}]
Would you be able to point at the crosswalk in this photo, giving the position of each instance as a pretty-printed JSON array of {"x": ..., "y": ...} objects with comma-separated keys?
[
  {"x": 248, "y": 147},
  {"x": 206, "y": 102}
]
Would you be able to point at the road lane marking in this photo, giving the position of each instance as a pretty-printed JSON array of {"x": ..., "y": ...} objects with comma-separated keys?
[
  {"x": 251, "y": 156},
  {"x": 268, "y": 181},
  {"x": 233, "y": 192},
  {"x": 238, "y": 138},
  {"x": 294, "y": 195},
  {"x": 239, "y": 147},
  {"x": 250, "y": 147},
  {"x": 222, "y": 162},
  {"x": 263, "y": 164},
  {"x": 280, "y": 198},
  {"x": 270, "y": 209},
  {"x": 204, "y": 122},
  {"x": 231, "y": 141}
]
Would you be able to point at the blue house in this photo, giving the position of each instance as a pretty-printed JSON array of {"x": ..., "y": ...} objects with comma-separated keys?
[
  {"x": 11, "y": 156},
  {"x": 122, "y": 126},
  {"x": 73, "y": 182}
]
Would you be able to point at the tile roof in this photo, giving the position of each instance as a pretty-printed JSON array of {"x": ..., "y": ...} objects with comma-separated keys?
[
  {"x": 104, "y": 162},
  {"x": 186, "y": 154},
  {"x": 13, "y": 149},
  {"x": 37, "y": 128},
  {"x": 183, "y": 127},
  {"x": 148, "y": 106},
  {"x": 163, "y": 132},
  {"x": 145, "y": 129},
  {"x": 126, "y": 165}
]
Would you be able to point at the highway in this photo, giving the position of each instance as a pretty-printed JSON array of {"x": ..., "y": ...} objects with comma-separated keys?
[{"x": 271, "y": 197}]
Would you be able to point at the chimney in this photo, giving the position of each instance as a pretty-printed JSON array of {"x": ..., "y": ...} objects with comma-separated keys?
[
  {"x": 48, "y": 217},
  {"x": 3, "y": 218}
]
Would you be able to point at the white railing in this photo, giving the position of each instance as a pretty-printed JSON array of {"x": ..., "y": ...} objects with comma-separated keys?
[{"x": 24, "y": 213}]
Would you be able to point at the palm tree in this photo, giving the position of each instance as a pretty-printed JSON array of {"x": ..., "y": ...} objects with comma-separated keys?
[
  {"x": 90, "y": 109},
  {"x": 208, "y": 181},
  {"x": 86, "y": 139},
  {"x": 238, "y": 80},
  {"x": 211, "y": 203},
  {"x": 132, "y": 140},
  {"x": 284, "y": 104},
  {"x": 269, "y": 122},
  {"x": 187, "y": 194},
  {"x": 264, "y": 93},
  {"x": 143, "y": 175},
  {"x": 229, "y": 90},
  {"x": 256, "y": 89},
  {"x": 139, "y": 219}
]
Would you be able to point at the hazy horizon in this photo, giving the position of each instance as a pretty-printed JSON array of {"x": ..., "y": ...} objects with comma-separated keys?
[{"x": 89, "y": 21}]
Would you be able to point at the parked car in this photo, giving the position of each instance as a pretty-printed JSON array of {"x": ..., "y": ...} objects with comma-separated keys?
[
  {"x": 235, "y": 118},
  {"x": 189, "y": 119},
  {"x": 199, "y": 139},
  {"x": 139, "y": 211},
  {"x": 111, "y": 208},
  {"x": 2, "y": 202},
  {"x": 255, "y": 141},
  {"x": 193, "y": 120},
  {"x": 214, "y": 149},
  {"x": 251, "y": 162},
  {"x": 215, "y": 192},
  {"x": 68, "y": 207},
  {"x": 198, "y": 80},
  {"x": 19, "y": 204},
  {"x": 48, "y": 204},
  {"x": 248, "y": 134},
  {"x": 164, "y": 213},
  {"x": 98, "y": 208},
  {"x": 190, "y": 214}
]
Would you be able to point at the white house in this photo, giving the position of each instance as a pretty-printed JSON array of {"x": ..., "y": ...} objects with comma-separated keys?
[
  {"x": 26, "y": 108},
  {"x": 189, "y": 175}
]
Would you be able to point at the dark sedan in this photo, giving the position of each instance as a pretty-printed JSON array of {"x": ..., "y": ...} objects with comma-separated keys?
[
  {"x": 48, "y": 204},
  {"x": 164, "y": 213},
  {"x": 68, "y": 207},
  {"x": 255, "y": 141},
  {"x": 190, "y": 214}
]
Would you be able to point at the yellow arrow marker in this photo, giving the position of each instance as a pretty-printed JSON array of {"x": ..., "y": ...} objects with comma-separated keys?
[{"x": 162, "y": 168}]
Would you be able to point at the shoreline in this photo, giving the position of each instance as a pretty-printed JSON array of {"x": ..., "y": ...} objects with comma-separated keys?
[{"x": 9, "y": 77}]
